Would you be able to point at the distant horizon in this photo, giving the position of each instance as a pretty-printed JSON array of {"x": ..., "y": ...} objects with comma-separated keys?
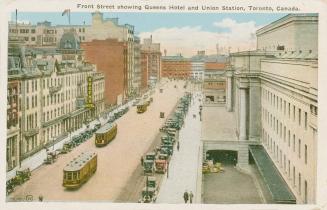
[{"x": 184, "y": 33}]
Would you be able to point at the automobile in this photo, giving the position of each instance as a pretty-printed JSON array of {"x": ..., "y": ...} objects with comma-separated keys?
[
  {"x": 10, "y": 186},
  {"x": 22, "y": 176},
  {"x": 67, "y": 147},
  {"x": 161, "y": 166},
  {"x": 149, "y": 195},
  {"x": 49, "y": 159},
  {"x": 150, "y": 156},
  {"x": 151, "y": 181},
  {"x": 148, "y": 167}
]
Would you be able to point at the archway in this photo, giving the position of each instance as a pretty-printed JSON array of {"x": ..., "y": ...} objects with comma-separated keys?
[{"x": 226, "y": 157}]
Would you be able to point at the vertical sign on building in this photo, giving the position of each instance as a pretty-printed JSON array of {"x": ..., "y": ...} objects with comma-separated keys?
[{"x": 89, "y": 102}]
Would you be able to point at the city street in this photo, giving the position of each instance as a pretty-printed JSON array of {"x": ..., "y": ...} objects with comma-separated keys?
[
  {"x": 116, "y": 161},
  {"x": 183, "y": 166}
]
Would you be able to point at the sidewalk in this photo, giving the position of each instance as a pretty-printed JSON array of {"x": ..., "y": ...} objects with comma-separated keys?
[{"x": 183, "y": 167}]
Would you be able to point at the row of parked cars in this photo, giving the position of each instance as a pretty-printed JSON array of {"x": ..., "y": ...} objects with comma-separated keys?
[
  {"x": 158, "y": 160},
  {"x": 21, "y": 177}
]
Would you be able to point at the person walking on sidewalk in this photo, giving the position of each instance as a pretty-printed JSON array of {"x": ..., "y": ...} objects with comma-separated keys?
[
  {"x": 190, "y": 195},
  {"x": 142, "y": 160},
  {"x": 185, "y": 196}
]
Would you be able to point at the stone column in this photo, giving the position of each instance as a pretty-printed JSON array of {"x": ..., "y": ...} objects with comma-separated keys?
[
  {"x": 243, "y": 110},
  {"x": 229, "y": 94}
]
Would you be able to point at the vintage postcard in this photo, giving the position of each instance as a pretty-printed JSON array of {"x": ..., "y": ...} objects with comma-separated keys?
[{"x": 139, "y": 104}]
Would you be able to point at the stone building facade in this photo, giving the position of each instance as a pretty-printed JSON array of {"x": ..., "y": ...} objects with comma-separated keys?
[
  {"x": 44, "y": 34},
  {"x": 274, "y": 96},
  {"x": 47, "y": 88}
]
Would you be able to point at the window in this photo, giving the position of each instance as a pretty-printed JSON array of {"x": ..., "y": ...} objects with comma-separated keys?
[
  {"x": 289, "y": 110},
  {"x": 299, "y": 117},
  {"x": 27, "y": 86},
  {"x": 289, "y": 169},
  {"x": 305, "y": 191},
  {"x": 27, "y": 103},
  {"x": 33, "y": 39},
  {"x": 300, "y": 183},
  {"x": 305, "y": 120},
  {"x": 305, "y": 154},
  {"x": 299, "y": 148},
  {"x": 284, "y": 133}
]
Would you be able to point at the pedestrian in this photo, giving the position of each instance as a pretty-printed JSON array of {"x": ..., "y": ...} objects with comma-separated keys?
[
  {"x": 142, "y": 160},
  {"x": 190, "y": 196},
  {"x": 40, "y": 198},
  {"x": 178, "y": 146},
  {"x": 185, "y": 196}
]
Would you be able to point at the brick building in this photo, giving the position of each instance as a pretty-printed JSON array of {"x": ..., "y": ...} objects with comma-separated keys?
[
  {"x": 151, "y": 62},
  {"x": 176, "y": 67},
  {"x": 214, "y": 85},
  {"x": 110, "y": 56}
]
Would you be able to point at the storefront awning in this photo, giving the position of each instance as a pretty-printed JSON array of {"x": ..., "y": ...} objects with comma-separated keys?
[{"x": 276, "y": 184}]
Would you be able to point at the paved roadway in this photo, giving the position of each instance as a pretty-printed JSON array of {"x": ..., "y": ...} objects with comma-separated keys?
[
  {"x": 183, "y": 166},
  {"x": 116, "y": 161},
  {"x": 230, "y": 187}
]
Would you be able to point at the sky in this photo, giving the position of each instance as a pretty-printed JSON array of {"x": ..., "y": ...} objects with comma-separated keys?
[{"x": 184, "y": 33}]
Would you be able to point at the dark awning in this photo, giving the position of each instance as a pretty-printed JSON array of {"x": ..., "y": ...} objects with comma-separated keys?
[{"x": 277, "y": 186}]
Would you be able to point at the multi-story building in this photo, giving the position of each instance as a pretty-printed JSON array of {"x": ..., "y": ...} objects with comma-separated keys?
[
  {"x": 197, "y": 70},
  {"x": 42, "y": 35},
  {"x": 176, "y": 67},
  {"x": 151, "y": 62},
  {"x": 137, "y": 66},
  {"x": 53, "y": 98},
  {"x": 214, "y": 85},
  {"x": 45, "y": 35},
  {"x": 274, "y": 97},
  {"x": 110, "y": 56}
]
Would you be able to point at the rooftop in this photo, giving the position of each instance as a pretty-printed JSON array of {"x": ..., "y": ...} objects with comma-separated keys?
[
  {"x": 105, "y": 128},
  {"x": 308, "y": 17},
  {"x": 78, "y": 162}
]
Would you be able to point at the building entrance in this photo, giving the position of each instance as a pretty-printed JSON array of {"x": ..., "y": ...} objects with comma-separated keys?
[{"x": 226, "y": 157}]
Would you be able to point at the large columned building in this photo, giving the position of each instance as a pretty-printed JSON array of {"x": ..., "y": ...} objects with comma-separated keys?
[{"x": 273, "y": 93}]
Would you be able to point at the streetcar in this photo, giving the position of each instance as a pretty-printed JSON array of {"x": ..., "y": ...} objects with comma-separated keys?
[
  {"x": 105, "y": 134},
  {"x": 141, "y": 107},
  {"x": 79, "y": 170}
]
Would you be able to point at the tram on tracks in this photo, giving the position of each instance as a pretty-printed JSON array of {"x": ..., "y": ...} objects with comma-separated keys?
[
  {"x": 105, "y": 134},
  {"x": 79, "y": 170},
  {"x": 141, "y": 107}
]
